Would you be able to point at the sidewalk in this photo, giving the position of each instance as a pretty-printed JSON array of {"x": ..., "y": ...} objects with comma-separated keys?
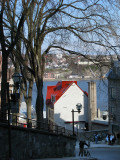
[
  {"x": 69, "y": 158},
  {"x": 101, "y": 144}
]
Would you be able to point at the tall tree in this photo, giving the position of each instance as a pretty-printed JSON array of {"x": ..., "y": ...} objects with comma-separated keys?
[
  {"x": 75, "y": 26},
  {"x": 12, "y": 17}
]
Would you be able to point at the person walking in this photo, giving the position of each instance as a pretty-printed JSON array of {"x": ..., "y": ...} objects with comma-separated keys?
[
  {"x": 81, "y": 147},
  {"x": 96, "y": 138},
  {"x": 112, "y": 139},
  {"x": 108, "y": 139}
]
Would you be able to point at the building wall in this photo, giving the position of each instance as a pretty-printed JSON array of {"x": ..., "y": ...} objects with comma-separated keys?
[
  {"x": 67, "y": 102},
  {"x": 114, "y": 98},
  {"x": 99, "y": 126},
  {"x": 114, "y": 104},
  {"x": 29, "y": 144}
]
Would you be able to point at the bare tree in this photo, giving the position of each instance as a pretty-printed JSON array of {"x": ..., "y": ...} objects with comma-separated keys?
[
  {"x": 75, "y": 26},
  {"x": 26, "y": 88},
  {"x": 11, "y": 22},
  {"x": 78, "y": 27}
]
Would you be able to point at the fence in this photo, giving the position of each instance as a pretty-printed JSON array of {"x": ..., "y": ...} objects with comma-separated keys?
[{"x": 21, "y": 121}]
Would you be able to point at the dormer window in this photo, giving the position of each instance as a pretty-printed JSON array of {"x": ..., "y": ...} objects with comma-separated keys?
[{"x": 52, "y": 98}]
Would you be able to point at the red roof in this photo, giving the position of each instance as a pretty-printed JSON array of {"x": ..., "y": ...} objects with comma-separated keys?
[{"x": 58, "y": 90}]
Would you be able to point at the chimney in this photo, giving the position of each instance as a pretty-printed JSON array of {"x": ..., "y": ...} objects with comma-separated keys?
[{"x": 92, "y": 103}]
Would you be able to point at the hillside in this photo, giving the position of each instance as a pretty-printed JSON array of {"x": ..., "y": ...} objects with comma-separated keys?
[{"x": 74, "y": 67}]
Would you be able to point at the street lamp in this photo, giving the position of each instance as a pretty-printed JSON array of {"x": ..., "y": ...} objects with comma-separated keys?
[
  {"x": 17, "y": 80},
  {"x": 78, "y": 107}
]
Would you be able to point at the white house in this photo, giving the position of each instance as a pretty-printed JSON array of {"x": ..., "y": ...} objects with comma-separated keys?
[{"x": 60, "y": 101}]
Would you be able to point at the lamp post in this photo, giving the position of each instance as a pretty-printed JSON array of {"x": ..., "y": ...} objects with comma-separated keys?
[
  {"x": 17, "y": 80},
  {"x": 17, "y": 77},
  {"x": 78, "y": 107}
]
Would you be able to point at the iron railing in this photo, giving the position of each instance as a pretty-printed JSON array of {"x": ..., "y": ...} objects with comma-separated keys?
[{"x": 15, "y": 120}]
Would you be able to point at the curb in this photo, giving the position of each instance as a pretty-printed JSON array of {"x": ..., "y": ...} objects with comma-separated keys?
[
  {"x": 116, "y": 146},
  {"x": 69, "y": 158}
]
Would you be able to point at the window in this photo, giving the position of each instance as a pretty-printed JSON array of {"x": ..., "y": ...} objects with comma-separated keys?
[
  {"x": 112, "y": 92},
  {"x": 111, "y": 110},
  {"x": 52, "y": 98}
]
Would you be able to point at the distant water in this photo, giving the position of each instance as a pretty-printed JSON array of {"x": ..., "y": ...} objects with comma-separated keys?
[{"x": 102, "y": 91}]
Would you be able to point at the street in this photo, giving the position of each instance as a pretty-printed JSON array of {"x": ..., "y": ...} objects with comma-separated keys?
[
  {"x": 105, "y": 153},
  {"x": 101, "y": 153}
]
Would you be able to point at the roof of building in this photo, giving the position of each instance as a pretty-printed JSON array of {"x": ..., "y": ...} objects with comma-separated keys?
[{"x": 58, "y": 90}]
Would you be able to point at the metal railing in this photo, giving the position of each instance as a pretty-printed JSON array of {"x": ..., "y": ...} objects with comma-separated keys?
[{"x": 20, "y": 121}]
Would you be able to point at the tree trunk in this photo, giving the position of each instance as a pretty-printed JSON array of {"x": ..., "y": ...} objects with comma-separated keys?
[
  {"x": 39, "y": 103},
  {"x": 29, "y": 100},
  {"x": 4, "y": 85}
]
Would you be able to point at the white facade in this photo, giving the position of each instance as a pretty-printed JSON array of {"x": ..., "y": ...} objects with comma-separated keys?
[{"x": 64, "y": 105}]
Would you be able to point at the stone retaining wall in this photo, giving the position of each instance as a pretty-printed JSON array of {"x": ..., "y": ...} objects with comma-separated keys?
[
  {"x": 89, "y": 135},
  {"x": 29, "y": 144}
]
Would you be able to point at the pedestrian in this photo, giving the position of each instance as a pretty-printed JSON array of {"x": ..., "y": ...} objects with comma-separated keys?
[
  {"x": 81, "y": 147},
  {"x": 96, "y": 138},
  {"x": 106, "y": 139},
  {"x": 112, "y": 139}
]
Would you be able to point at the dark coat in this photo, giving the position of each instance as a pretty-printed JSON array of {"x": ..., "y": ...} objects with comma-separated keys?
[{"x": 82, "y": 143}]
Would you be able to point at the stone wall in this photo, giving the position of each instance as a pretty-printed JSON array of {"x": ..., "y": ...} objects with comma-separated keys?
[
  {"x": 27, "y": 144},
  {"x": 89, "y": 135}
]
